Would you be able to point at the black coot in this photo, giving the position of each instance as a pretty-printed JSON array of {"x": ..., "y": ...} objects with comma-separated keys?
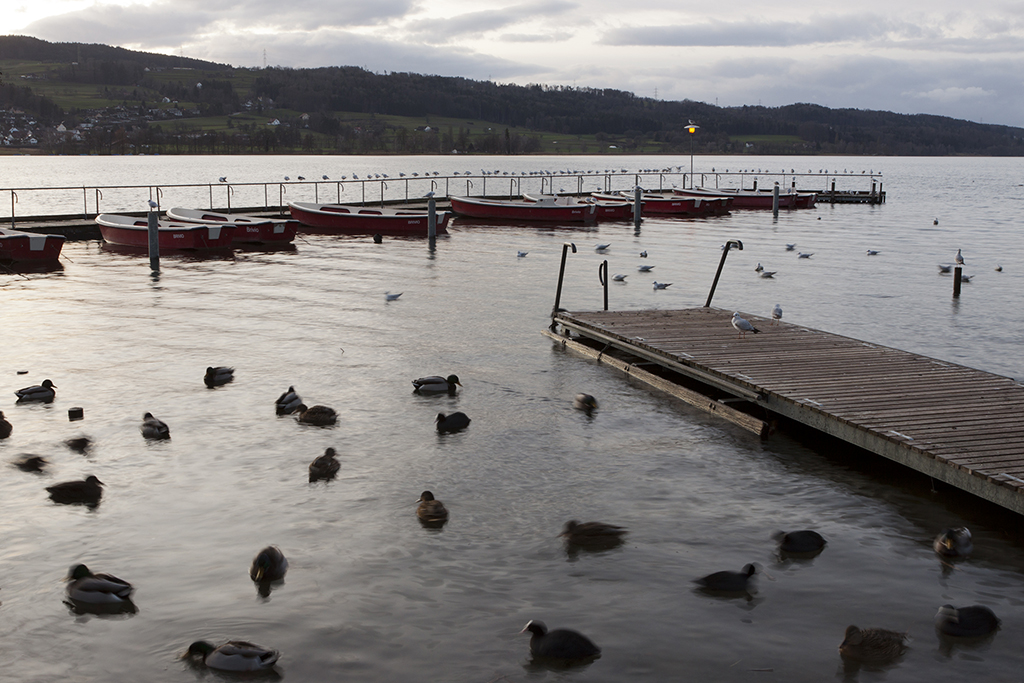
[{"x": 561, "y": 644}]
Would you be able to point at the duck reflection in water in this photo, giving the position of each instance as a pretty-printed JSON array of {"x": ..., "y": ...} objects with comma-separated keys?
[{"x": 590, "y": 537}]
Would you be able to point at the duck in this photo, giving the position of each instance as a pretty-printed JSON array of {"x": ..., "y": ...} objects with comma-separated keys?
[
  {"x": 560, "y": 644},
  {"x": 800, "y": 542},
  {"x": 872, "y": 644},
  {"x": 975, "y": 621},
  {"x": 288, "y": 402},
  {"x": 584, "y": 402},
  {"x": 728, "y": 581},
  {"x": 80, "y": 444},
  {"x": 215, "y": 377},
  {"x": 435, "y": 384},
  {"x": 954, "y": 542},
  {"x": 234, "y": 655},
  {"x": 153, "y": 428},
  {"x": 430, "y": 509},
  {"x": 5, "y": 427},
  {"x": 83, "y": 492},
  {"x": 40, "y": 393},
  {"x": 322, "y": 416},
  {"x": 268, "y": 565},
  {"x": 451, "y": 423},
  {"x": 592, "y": 533},
  {"x": 31, "y": 463},
  {"x": 325, "y": 466},
  {"x": 84, "y": 586}
]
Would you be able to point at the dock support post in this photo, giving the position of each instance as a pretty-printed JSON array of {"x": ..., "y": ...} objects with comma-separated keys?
[
  {"x": 957, "y": 275},
  {"x": 561, "y": 275},
  {"x": 721, "y": 264},
  {"x": 832, "y": 194},
  {"x": 154, "y": 241},
  {"x": 775, "y": 201},
  {"x": 602, "y": 276},
  {"x": 432, "y": 221},
  {"x": 637, "y": 207}
]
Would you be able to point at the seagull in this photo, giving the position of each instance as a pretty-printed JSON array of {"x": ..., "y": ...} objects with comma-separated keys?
[
  {"x": 301, "y": 177},
  {"x": 965, "y": 278},
  {"x": 325, "y": 177},
  {"x": 959, "y": 258},
  {"x": 759, "y": 268},
  {"x": 791, "y": 247},
  {"x": 643, "y": 254},
  {"x": 768, "y": 273},
  {"x": 601, "y": 248},
  {"x": 999, "y": 269},
  {"x": 742, "y": 325},
  {"x": 388, "y": 296},
  {"x": 805, "y": 255},
  {"x": 935, "y": 222},
  {"x": 662, "y": 285},
  {"x": 644, "y": 269},
  {"x": 521, "y": 254},
  {"x": 223, "y": 178},
  {"x": 152, "y": 204},
  {"x": 287, "y": 178},
  {"x": 945, "y": 269},
  {"x": 872, "y": 252},
  {"x": 776, "y": 313},
  {"x": 619, "y": 278}
]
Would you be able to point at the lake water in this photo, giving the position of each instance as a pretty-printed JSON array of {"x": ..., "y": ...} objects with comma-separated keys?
[{"x": 370, "y": 594}]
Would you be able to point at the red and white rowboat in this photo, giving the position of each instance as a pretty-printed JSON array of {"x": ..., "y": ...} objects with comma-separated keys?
[
  {"x": 344, "y": 219},
  {"x": 756, "y": 199},
  {"x": 607, "y": 209},
  {"x": 248, "y": 229},
  {"x": 545, "y": 210},
  {"x": 128, "y": 231},
  {"x": 662, "y": 204},
  {"x": 18, "y": 246}
]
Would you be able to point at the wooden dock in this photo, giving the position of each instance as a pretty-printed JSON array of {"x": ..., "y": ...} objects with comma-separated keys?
[{"x": 953, "y": 423}]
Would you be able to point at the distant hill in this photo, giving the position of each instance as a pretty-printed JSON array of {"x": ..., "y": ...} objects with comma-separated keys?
[{"x": 156, "y": 100}]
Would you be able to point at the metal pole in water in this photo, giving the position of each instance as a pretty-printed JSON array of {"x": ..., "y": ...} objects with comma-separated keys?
[
  {"x": 431, "y": 219},
  {"x": 561, "y": 274},
  {"x": 725, "y": 252},
  {"x": 637, "y": 207},
  {"x": 957, "y": 275},
  {"x": 602, "y": 276},
  {"x": 775, "y": 201},
  {"x": 154, "y": 241}
]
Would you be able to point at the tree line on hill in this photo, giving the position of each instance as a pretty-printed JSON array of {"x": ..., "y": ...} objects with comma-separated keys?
[{"x": 318, "y": 96}]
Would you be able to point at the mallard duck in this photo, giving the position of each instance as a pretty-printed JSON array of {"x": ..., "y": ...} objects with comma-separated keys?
[
  {"x": 84, "y": 586},
  {"x": 451, "y": 423},
  {"x": 43, "y": 393},
  {"x": 954, "y": 542},
  {"x": 872, "y": 644},
  {"x": 215, "y": 377},
  {"x": 79, "y": 444},
  {"x": 85, "y": 492},
  {"x": 268, "y": 565},
  {"x": 317, "y": 415},
  {"x": 153, "y": 428},
  {"x": 561, "y": 644},
  {"x": 584, "y": 402},
  {"x": 5, "y": 426},
  {"x": 800, "y": 542},
  {"x": 975, "y": 621},
  {"x": 325, "y": 466},
  {"x": 592, "y": 533},
  {"x": 431, "y": 510},
  {"x": 436, "y": 384},
  {"x": 728, "y": 581},
  {"x": 288, "y": 402},
  {"x": 234, "y": 655},
  {"x": 31, "y": 463}
]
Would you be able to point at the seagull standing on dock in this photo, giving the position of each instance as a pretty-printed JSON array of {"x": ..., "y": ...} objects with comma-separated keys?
[
  {"x": 959, "y": 258},
  {"x": 776, "y": 313},
  {"x": 742, "y": 325}
]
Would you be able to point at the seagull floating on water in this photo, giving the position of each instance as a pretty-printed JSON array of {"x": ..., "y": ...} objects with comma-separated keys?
[
  {"x": 643, "y": 254},
  {"x": 388, "y": 296},
  {"x": 618, "y": 277},
  {"x": 805, "y": 255},
  {"x": 872, "y": 252},
  {"x": 644, "y": 269},
  {"x": 759, "y": 268},
  {"x": 662, "y": 285},
  {"x": 602, "y": 248},
  {"x": 743, "y": 325},
  {"x": 791, "y": 247},
  {"x": 521, "y": 254},
  {"x": 945, "y": 269},
  {"x": 768, "y": 273}
]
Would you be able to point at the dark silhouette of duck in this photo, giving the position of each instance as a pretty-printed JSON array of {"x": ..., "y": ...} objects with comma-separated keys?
[
  {"x": 31, "y": 463},
  {"x": 321, "y": 416},
  {"x": 872, "y": 645},
  {"x": 102, "y": 589},
  {"x": 268, "y": 565},
  {"x": 976, "y": 621},
  {"x": 40, "y": 393},
  {"x": 5, "y": 426},
  {"x": 435, "y": 384},
  {"x": 585, "y": 402},
  {"x": 153, "y": 428},
  {"x": 80, "y": 444},
  {"x": 562, "y": 644},
  {"x": 430, "y": 509},
  {"x": 954, "y": 543},
  {"x": 288, "y": 402},
  {"x": 234, "y": 655},
  {"x": 217, "y": 376},
  {"x": 451, "y": 423},
  {"x": 592, "y": 534},
  {"x": 85, "y": 492},
  {"x": 728, "y": 581},
  {"x": 803, "y": 542},
  {"x": 325, "y": 466}
]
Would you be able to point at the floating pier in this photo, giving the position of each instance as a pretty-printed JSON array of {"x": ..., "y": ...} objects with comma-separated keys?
[{"x": 956, "y": 424}]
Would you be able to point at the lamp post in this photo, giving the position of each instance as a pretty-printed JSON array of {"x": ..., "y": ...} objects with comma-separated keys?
[{"x": 691, "y": 129}]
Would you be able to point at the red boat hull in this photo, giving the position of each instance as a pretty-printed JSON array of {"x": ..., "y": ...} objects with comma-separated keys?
[
  {"x": 757, "y": 199},
  {"x": 17, "y": 246},
  {"x": 524, "y": 211},
  {"x": 248, "y": 229},
  {"x": 677, "y": 205},
  {"x": 338, "y": 219},
  {"x": 171, "y": 235}
]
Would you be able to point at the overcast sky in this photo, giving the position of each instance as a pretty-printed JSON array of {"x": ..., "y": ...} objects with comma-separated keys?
[{"x": 959, "y": 59}]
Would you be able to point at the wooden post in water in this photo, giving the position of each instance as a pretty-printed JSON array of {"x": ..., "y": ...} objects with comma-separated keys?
[
  {"x": 957, "y": 275},
  {"x": 832, "y": 194},
  {"x": 561, "y": 274},
  {"x": 637, "y": 206},
  {"x": 431, "y": 220},
  {"x": 154, "y": 241},
  {"x": 775, "y": 201},
  {"x": 602, "y": 276}
]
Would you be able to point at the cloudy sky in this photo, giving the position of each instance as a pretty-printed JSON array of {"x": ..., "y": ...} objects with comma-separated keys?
[{"x": 958, "y": 59}]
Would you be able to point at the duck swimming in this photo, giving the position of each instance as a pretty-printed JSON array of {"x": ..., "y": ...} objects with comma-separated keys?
[
  {"x": 80, "y": 444},
  {"x": 592, "y": 533},
  {"x": 31, "y": 463},
  {"x": 5, "y": 426},
  {"x": 268, "y": 565},
  {"x": 41, "y": 393},
  {"x": 321, "y": 416},
  {"x": 431, "y": 510},
  {"x": 975, "y": 621},
  {"x": 728, "y": 581},
  {"x": 802, "y": 542},
  {"x": 872, "y": 644},
  {"x": 153, "y": 428},
  {"x": 451, "y": 423},
  {"x": 234, "y": 655},
  {"x": 215, "y": 377},
  {"x": 86, "y": 587},
  {"x": 436, "y": 384},
  {"x": 954, "y": 542},
  {"x": 288, "y": 402},
  {"x": 584, "y": 402},
  {"x": 324, "y": 467},
  {"x": 560, "y": 644},
  {"x": 85, "y": 492}
]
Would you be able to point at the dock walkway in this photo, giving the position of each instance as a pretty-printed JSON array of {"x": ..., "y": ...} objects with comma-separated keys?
[{"x": 956, "y": 424}]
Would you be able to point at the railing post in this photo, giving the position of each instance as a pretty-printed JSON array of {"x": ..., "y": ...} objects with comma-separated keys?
[
  {"x": 775, "y": 201},
  {"x": 561, "y": 275},
  {"x": 602, "y": 276},
  {"x": 154, "y": 241},
  {"x": 637, "y": 207},
  {"x": 721, "y": 264}
]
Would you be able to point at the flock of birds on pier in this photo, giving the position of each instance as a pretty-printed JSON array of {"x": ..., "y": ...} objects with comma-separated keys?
[{"x": 105, "y": 593}]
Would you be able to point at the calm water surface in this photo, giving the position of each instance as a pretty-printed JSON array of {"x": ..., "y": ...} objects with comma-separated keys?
[{"x": 370, "y": 594}]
